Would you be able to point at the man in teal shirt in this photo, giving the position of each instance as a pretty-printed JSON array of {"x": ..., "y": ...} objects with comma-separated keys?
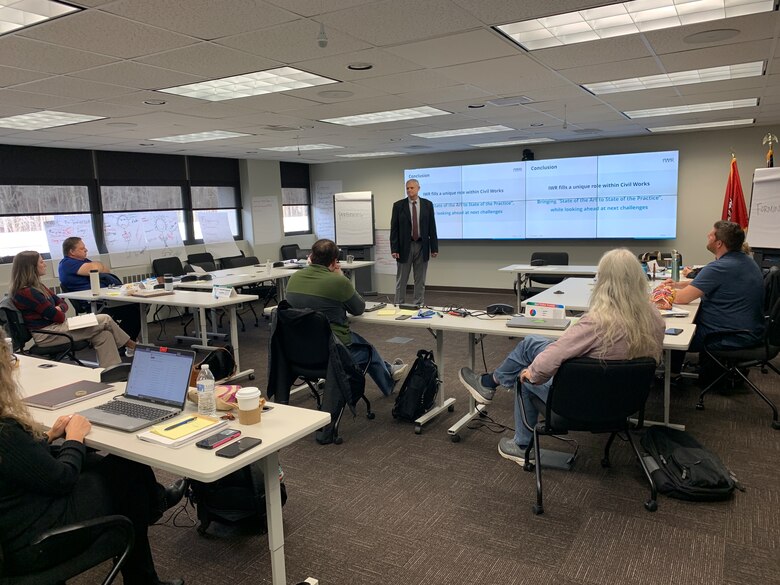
[{"x": 322, "y": 287}]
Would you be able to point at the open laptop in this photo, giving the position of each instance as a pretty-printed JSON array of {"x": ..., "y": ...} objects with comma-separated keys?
[
  {"x": 156, "y": 390},
  {"x": 521, "y": 321}
]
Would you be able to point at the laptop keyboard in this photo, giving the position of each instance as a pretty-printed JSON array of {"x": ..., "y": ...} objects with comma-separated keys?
[{"x": 133, "y": 410}]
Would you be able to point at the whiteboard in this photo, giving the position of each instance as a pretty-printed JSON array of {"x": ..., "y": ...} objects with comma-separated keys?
[
  {"x": 354, "y": 213},
  {"x": 764, "y": 227},
  {"x": 323, "y": 208},
  {"x": 67, "y": 226},
  {"x": 215, "y": 228},
  {"x": 266, "y": 220}
]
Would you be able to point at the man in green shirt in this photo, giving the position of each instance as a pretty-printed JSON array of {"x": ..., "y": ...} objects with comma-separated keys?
[{"x": 322, "y": 287}]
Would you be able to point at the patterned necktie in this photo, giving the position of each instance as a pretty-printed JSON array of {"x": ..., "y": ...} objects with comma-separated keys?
[{"x": 415, "y": 227}]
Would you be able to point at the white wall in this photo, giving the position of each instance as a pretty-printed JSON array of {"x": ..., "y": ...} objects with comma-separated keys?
[{"x": 704, "y": 167}]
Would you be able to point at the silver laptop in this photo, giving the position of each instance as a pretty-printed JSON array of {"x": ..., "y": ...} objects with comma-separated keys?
[
  {"x": 156, "y": 390},
  {"x": 521, "y": 321}
]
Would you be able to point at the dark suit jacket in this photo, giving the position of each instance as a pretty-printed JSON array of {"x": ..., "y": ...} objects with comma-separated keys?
[{"x": 401, "y": 229}]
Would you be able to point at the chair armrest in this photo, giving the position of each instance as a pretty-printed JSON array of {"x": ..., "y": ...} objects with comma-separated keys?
[{"x": 721, "y": 335}]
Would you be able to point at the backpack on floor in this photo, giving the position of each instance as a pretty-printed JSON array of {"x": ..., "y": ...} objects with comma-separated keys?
[
  {"x": 419, "y": 389},
  {"x": 683, "y": 468},
  {"x": 236, "y": 497}
]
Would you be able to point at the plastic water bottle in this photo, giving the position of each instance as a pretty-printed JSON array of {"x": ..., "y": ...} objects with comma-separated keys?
[
  {"x": 268, "y": 266},
  {"x": 675, "y": 266},
  {"x": 207, "y": 401}
]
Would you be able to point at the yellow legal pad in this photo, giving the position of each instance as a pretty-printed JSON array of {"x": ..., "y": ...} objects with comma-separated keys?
[
  {"x": 182, "y": 430},
  {"x": 386, "y": 312}
]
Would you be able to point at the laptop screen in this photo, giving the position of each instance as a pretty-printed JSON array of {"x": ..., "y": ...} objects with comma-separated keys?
[{"x": 160, "y": 375}]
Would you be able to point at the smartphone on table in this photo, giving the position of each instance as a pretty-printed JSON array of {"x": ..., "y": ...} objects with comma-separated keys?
[
  {"x": 240, "y": 446},
  {"x": 673, "y": 331},
  {"x": 218, "y": 439},
  {"x": 402, "y": 317}
]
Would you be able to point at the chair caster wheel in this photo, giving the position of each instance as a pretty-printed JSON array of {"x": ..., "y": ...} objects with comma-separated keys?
[
  {"x": 538, "y": 509},
  {"x": 338, "y": 441},
  {"x": 417, "y": 429},
  {"x": 651, "y": 506},
  {"x": 605, "y": 462},
  {"x": 528, "y": 466},
  {"x": 451, "y": 408},
  {"x": 370, "y": 415},
  {"x": 251, "y": 376},
  {"x": 455, "y": 438},
  {"x": 776, "y": 425},
  {"x": 700, "y": 406}
]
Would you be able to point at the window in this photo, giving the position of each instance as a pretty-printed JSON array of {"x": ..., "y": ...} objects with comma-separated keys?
[
  {"x": 296, "y": 211},
  {"x": 215, "y": 198},
  {"x": 25, "y": 208}
]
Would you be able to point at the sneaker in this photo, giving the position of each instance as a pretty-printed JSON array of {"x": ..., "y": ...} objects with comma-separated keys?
[
  {"x": 473, "y": 383},
  {"x": 508, "y": 449},
  {"x": 398, "y": 369},
  {"x": 129, "y": 352}
]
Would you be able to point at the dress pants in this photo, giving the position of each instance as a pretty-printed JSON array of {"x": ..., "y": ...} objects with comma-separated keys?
[
  {"x": 415, "y": 264},
  {"x": 106, "y": 337}
]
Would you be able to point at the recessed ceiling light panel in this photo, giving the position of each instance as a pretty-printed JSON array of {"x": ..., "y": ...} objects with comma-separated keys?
[
  {"x": 17, "y": 14},
  {"x": 704, "y": 125},
  {"x": 45, "y": 119},
  {"x": 369, "y": 154},
  {"x": 513, "y": 142},
  {"x": 627, "y": 18},
  {"x": 302, "y": 147},
  {"x": 693, "y": 108},
  {"x": 464, "y": 132},
  {"x": 738, "y": 71},
  {"x": 388, "y": 116},
  {"x": 250, "y": 84},
  {"x": 201, "y": 136}
]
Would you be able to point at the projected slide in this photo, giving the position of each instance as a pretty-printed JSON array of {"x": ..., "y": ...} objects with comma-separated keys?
[{"x": 615, "y": 196}]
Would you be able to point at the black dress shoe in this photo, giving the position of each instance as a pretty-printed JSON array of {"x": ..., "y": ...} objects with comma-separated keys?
[{"x": 173, "y": 495}]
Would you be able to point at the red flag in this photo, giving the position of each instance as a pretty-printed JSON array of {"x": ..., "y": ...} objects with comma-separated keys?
[{"x": 734, "y": 202}]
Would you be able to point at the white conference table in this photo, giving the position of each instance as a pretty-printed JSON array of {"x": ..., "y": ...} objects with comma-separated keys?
[
  {"x": 523, "y": 271},
  {"x": 278, "y": 428},
  {"x": 179, "y": 298},
  {"x": 481, "y": 326}
]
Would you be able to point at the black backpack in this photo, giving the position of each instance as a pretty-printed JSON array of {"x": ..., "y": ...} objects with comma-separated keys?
[
  {"x": 683, "y": 468},
  {"x": 234, "y": 498},
  {"x": 418, "y": 391}
]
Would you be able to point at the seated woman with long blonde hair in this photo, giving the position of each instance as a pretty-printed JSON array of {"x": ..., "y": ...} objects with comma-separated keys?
[{"x": 42, "y": 309}]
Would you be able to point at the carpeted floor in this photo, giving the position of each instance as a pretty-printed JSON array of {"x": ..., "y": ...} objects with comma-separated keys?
[{"x": 392, "y": 507}]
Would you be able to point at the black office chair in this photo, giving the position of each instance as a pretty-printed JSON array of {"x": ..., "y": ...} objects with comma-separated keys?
[
  {"x": 732, "y": 363},
  {"x": 168, "y": 265},
  {"x": 11, "y": 319},
  {"x": 266, "y": 292},
  {"x": 598, "y": 396},
  {"x": 202, "y": 259},
  {"x": 544, "y": 259},
  {"x": 301, "y": 348},
  {"x": 289, "y": 251},
  {"x": 59, "y": 554}
]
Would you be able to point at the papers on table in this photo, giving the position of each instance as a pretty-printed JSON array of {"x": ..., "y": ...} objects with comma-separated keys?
[
  {"x": 82, "y": 321},
  {"x": 674, "y": 313},
  {"x": 182, "y": 431}
]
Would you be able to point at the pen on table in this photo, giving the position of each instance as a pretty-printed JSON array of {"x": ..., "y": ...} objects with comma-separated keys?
[{"x": 180, "y": 423}]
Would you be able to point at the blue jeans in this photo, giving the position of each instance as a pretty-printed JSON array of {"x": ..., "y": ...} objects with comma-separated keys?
[
  {"x": 378, "y": 369},
  {"x": 506, "y": 374}
]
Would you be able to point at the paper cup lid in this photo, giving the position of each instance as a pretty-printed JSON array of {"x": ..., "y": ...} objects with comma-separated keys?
[{"x": 248, "y": 392}]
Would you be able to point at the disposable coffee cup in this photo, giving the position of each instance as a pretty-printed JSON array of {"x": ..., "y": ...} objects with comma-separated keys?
[
  {"x": 168, "y": 281},
  {"x": 350, "y": 259},
  {"x": 250, "y": 403}
]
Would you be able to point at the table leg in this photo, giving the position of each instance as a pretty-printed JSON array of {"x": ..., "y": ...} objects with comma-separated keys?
[
  {"x": 667, "y": 394},
  {"x": 474, "y": 408},
  {"x": 204, "y": 335},
  {"x": 234, "y": 338},
  {"x": 519, "y": 289},
  {"x": 144, "y": 325},
  {"x": 273, "y": 510}
]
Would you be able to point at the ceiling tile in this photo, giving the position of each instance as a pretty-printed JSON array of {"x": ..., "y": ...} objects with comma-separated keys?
[
  {"x": 404, "y": 82},
  {"x": 335, "y": 66},
  {"x": 593, "y": 52},
  {"x": 10, "y": 76},
  {"x": 389, "y": 22},
  {"x": 610, "y": 71},
  {"x": 509, "y": 75},
  {"x": 204, "y": 19},
  {"x": 119, "y": 37},
  {"x": 71, "y": 87},
  {"x": 716, "y": 56},
  {"x": 293, "y": 42},
  {"x": 209, "y": 60},
  {"x": 316, "y": 7},
  {"x": 751, "y": 28},
  {"x": 477, "y": 45},
  {"x": 33, "y": 101},
  {"x": 138, "y": 76},
  {"x": 16, "y": 51}
]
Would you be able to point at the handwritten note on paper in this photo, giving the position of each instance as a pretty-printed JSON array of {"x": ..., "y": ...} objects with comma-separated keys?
[
  {"x": 324, "y": 191},
  {"x": 125, "y": 239},
  {"x": 66, "y": 226},
  {"x": 217, "y": 236},
  {"x": 385, "y": 263},
  {"x": 266, "y": 220}
]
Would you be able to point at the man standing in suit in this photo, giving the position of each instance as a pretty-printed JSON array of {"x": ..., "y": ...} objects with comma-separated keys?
[{"x": 412, "y": 241}]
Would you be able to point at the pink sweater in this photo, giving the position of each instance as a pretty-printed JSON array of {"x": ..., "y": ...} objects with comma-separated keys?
[{"x": 582, "y": 340}]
